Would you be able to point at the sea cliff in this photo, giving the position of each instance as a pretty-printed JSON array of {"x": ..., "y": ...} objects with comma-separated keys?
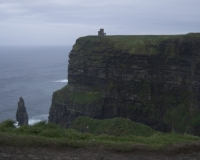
[{"x": 154, "y": 80}]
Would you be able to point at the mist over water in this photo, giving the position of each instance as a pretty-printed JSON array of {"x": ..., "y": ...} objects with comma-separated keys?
[{"x": 33, "y": 73}]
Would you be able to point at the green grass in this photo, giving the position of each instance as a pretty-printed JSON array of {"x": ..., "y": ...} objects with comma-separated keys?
[
  {"x": 115, "y": 126},
  {"x": 53, "y": 136},
  {"x": 141, "y": 44},
  {"x": 60, "y": 95},
  {"x": 63, "y": 94}
]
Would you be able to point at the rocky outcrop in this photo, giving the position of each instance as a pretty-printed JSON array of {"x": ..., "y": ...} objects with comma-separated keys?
[
  {"x": 154, "y": 80},
  {"x": 21, "y": 115}
]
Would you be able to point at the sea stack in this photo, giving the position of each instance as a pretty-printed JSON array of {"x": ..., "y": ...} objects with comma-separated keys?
[{"x": 21, "y": 115}]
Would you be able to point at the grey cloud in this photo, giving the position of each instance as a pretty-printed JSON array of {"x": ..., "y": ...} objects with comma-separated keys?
[{"x": 61, "y": 17}]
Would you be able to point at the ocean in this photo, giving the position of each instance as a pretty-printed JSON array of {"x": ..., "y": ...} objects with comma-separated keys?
[{"x": 33, "y": 73}]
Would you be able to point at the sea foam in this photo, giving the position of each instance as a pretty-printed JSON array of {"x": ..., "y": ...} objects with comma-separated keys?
[
  {"x": 62, "y": 80},
  {"x": 37, "y": 119}
]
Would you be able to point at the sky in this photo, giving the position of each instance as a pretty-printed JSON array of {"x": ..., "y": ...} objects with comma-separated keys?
[{"x": 61, "y": 22}]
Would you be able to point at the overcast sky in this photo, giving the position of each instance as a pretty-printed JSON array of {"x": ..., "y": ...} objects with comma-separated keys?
[{"x": 61, "y": 22}]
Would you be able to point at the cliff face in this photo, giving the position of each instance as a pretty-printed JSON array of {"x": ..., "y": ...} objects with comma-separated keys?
[{"x": 150, "y": 79}]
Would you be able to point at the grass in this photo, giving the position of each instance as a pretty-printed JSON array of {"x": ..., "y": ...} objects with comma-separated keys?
[
  {"x": 60, "y": 95},
  {"x": 63, "y": 94},
  {"x": 141, "y": 44},
  {"x": 115, "y": 127},
  {"x": 53, "y": 136}
]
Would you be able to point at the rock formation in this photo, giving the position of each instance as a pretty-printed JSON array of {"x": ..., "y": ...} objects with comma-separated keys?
[
  {"x": 21, "y": 115},
  {"x": 154, "y": 80}
]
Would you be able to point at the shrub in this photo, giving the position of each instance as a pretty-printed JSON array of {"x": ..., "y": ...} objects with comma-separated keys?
[{"x": 7, "y": 125}]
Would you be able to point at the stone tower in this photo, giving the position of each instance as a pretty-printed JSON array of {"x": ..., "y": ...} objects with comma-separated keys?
[{"x": 101, "y": 32}]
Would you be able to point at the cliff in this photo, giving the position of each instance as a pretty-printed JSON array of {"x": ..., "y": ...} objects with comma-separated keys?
[{"x": 154, "y": 80}]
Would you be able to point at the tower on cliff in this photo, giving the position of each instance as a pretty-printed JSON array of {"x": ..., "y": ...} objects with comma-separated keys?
[{"x": 101, "y": 32}]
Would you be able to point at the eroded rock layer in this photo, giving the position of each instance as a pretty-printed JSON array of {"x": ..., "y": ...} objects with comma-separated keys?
[{"x": 154, "y": 80}]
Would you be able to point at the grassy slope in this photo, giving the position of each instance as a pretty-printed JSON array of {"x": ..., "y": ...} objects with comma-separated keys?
[
  {"x": 115, "y": 126},
  {"x": 50, "y": 135}
]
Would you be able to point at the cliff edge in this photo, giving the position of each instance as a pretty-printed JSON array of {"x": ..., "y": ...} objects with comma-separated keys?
[{"x": 154, "y": 80}]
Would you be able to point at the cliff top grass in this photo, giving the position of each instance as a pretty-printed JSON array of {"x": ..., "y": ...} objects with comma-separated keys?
[
  {"x": 115, "y": 126},
  {"x": 132, "y": 44},
  {"x": 53, "y": 136}
]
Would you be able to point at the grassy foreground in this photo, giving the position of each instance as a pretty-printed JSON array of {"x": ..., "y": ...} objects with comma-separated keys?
[{"x": 51, "y": 135}]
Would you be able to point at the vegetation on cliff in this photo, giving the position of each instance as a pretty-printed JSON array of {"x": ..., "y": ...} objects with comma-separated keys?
[
  {"x": 76, "y": 97},
  {"x": 85, "y": 97},
  {"x": 114, "y": 126},
  {"x": 133, "y": 44}
]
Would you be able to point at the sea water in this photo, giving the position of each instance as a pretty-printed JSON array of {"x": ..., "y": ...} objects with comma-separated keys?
[{"x": 33, "y": 73}]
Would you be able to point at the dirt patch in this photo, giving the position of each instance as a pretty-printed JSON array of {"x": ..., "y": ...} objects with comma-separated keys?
[{"x": 98, "y": 153}]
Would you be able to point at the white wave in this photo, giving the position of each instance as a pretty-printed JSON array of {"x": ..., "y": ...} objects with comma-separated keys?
[
  {"x": 62, "y": 80},
  {"x": 33, "y": 121},
  {"x": 37, "y": 119},
  {"x": 16, "y": 124}
]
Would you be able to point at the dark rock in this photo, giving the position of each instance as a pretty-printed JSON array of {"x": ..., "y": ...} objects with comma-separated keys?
[
  {"x": 21, "y": 115},
  {"x": 154, "y": 80}
]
